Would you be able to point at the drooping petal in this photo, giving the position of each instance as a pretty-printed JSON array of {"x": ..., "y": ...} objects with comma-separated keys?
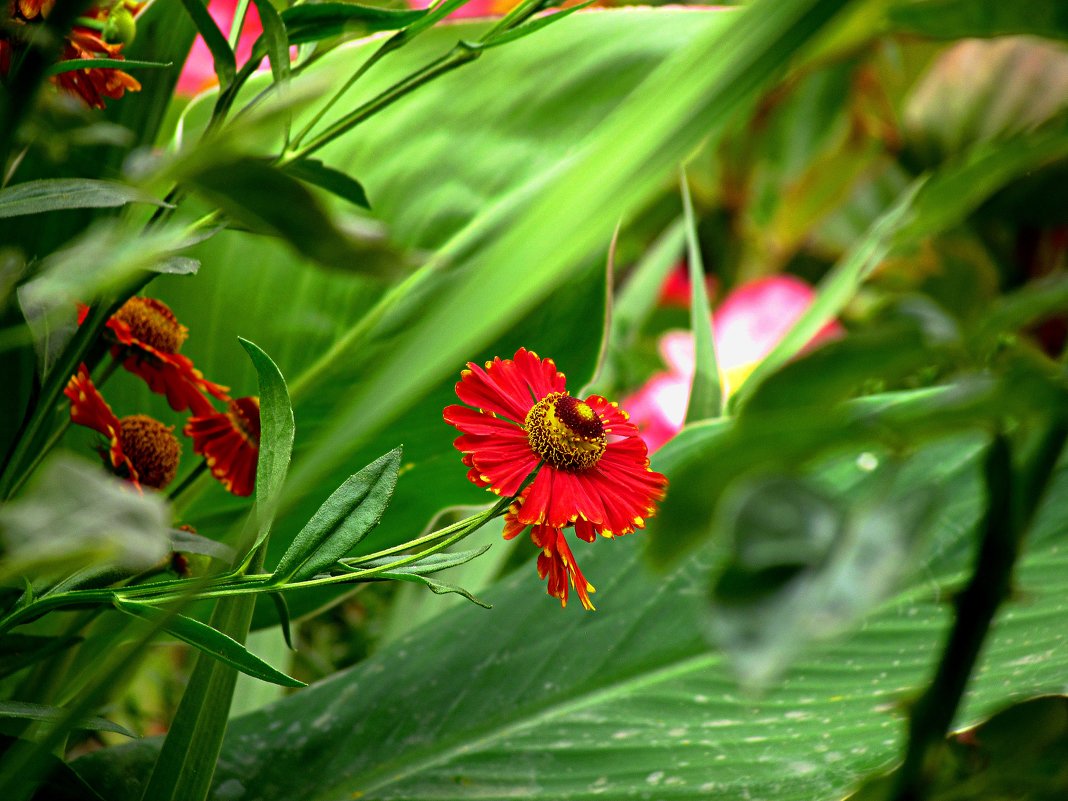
[{"x": 557, "y": 563}]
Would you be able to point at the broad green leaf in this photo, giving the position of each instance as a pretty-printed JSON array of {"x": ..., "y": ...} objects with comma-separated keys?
[
  {"x": 52, "y": 194},
  {"x": 346, "y": 517},
  {"x": 209, "y": 641},
  {"x": 28, "y": 711},
  {"x": 706, "y": 393},
  {"x": 315, "y": 172},
  {"x": 959, "y": 19},
  {"x": 531, "y": 701}
]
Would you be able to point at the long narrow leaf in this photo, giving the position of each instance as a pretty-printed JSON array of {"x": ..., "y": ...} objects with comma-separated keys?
[
  {"x": 706, "y": 394},
  {"x": 53, "y": 194},
  {"x": 277, "y": 430},
  {"x": 211, "y": 642},
  {"x": 28, "y": 711}
]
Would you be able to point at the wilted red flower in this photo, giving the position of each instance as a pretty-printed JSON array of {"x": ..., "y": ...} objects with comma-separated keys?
[
  {"x": 148, "y": 337},
  {"x": 93, "y": 84},
  {"x": 592, "y": 467},
  {"x": 230, "y": 443},
  {"x": 141, "y": 449}
]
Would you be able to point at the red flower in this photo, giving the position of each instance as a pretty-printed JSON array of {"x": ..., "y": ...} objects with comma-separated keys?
[
  {"x": 148, "y": 338},
  {"x": 140, "y": 449},
  {"x": 592, "y": 467},
  {"x": 93, "y": 84},
  {"x": 230, "y": 443}
]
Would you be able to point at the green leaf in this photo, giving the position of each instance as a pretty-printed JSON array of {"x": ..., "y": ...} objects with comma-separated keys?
[
  {"x": 272, "y": 201},
  {"x": 28, "y": 711},
  {"x": 282, "y": 609},
  {"x": 706, "y": 394},
  {"x": 103, "y": 63},
  {"x": 277, "y": 430},
  {"x": 342, "y": 521},
  {"x": 566, "y": 705},
  {"x": 274, "y": 33},
  {"x": 53, "y": 194},
  {"x": 315, "y": 172},
  {"x": 959, "y": 19},
  {"x": 209, "y": 641},
  {"x": 221, "y": 52},
  {"x": 314, "y": 21},
  {"x": 431, "y": 563}
]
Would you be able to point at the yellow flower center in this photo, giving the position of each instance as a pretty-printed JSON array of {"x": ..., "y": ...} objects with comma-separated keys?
[
  {"x": 152, "y": 448},
  {"x": 152, "y": 322},
  {"x": 565, "y": 432}
]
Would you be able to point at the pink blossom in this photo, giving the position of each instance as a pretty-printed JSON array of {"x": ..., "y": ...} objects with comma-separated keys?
[
  {"x": 746, "y": 327},
  {"x": 198, "y": 73},
  {"x": 475, "y": 8}
]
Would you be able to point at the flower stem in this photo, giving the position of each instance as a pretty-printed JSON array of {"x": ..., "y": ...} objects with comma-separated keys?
[
  {"x": 1012, "y": 500},
  {"x": 188, "y": 481}
]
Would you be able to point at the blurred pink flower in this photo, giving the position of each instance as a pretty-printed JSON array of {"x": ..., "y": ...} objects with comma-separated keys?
[
  {"x": 475, "y": 8},
  {"x": 746, "y": 327},
  {"x": 198, "y": 73}
]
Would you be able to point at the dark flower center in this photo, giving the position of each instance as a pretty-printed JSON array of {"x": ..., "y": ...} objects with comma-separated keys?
[
  {"x": 152, "y": 322},
  {"x": 152, "y": 448},
  {"x": 565, "y": 432}
]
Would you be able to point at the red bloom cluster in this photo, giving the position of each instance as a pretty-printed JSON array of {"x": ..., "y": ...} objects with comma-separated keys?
[
  {"x": 101, "y": 33},
  {"x": 146, "y": 337},
  {"x": 590, "y": 467}
]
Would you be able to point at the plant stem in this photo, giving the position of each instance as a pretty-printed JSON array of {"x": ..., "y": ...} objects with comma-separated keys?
[
  {"x": 188, "y": 481},
  {"x": 1012, "y": 500}
]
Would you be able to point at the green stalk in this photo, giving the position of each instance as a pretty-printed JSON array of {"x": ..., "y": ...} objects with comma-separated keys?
[{"x": 1013, "y": 497}]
